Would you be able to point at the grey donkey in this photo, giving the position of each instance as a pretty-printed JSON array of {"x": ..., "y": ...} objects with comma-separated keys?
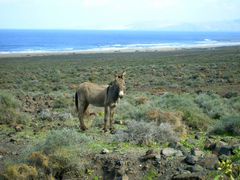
[{"x": 106, "y": 96}]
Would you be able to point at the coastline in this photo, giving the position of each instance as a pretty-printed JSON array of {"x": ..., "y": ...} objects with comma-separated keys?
[{"x": 110, "y": 51}]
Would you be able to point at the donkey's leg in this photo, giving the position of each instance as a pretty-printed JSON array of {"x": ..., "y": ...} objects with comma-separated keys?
[
  {"x": 112, "y": 111},
  {"x": 106, "y": 117},
  {"x": 81, "y": 112}
]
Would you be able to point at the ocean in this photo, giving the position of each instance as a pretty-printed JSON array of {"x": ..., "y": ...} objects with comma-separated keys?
[{"x": 38, "y": 41}]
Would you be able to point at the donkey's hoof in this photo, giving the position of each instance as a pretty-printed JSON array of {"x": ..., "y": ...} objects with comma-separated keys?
[
  {"x": 105, "y": 130},
  {"x": 83, "y": 128},
  {"x": 113, "y": 131}
]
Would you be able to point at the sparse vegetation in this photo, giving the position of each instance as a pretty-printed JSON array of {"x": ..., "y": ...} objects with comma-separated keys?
[{"x": 171, "y": 97}]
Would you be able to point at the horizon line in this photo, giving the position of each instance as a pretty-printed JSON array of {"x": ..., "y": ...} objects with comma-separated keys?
[{"x": 146, "y": 30}]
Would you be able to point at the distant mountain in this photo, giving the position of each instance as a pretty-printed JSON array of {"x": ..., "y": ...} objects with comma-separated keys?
[{"x": 205, "y": 26}]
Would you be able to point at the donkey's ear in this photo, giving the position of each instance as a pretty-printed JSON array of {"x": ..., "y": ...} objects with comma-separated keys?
[
  {"x": 124, "y": 73},
  {"x": 116, "y": 75}
]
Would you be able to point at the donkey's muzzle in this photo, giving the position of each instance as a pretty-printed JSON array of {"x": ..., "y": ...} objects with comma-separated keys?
[{"x": 121, "y": 94}]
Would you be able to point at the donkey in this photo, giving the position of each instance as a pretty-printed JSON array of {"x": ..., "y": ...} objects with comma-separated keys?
[{"x": 106, "y": 96}]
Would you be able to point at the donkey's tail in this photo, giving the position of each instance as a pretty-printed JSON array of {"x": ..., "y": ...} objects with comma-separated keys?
[{"x": 76, "y": 100}]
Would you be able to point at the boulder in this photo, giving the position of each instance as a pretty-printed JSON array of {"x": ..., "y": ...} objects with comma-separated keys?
[
  {"x": 171, "y": 152},
  {"x": 191, "y": 160},
  {"x": 197, "y": 152}
]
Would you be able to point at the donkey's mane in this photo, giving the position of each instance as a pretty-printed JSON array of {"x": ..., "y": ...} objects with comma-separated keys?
[{"x": 112, "y": 91}]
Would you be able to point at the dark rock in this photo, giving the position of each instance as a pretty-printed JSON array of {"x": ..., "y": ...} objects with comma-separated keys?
[
  {"x": 12, "y": 140},
  {"x": 191, "y": 160},
  {"x": 195, "y": 168},
  {"x": 187, "y": 176},
  {"x": 222, "y": 148},
  {"x": 150, "y": 154},
  {"x": 209, "y": 144},
  {"x": 209, "y": 162},
  {"x": 219, "y": 148},
  {"x": 230, "y": 94},
  {"x": 226, "y": 150}
]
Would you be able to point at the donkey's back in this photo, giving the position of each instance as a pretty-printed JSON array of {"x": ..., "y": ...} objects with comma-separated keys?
[{"x": 92, "y": 93}]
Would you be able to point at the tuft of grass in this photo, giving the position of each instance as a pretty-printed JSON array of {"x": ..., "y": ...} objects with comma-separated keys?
[
  {"x": 141, "y": 100},
  {"x": 20, "y": 171},
  {"x": 38, "y": 159}
]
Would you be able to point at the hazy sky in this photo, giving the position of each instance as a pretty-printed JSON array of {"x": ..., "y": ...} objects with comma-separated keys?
[{"x": 120, "y": 14}]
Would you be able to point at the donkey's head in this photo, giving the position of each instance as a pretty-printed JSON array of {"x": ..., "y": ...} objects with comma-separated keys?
[{"x": 118, "y": 85}]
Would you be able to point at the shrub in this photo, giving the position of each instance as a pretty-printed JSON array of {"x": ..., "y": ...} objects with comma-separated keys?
[
  {"x": 175, "y": 119},
  {"x": 45, "y": 114},
  {"x": 60, "y": 153},
  {"x": 140, "y": 132},
  {"x": 228, "y": 125},
  {"x": 63, "y": 137},
  {"x": 8, "y": 101},
  {"x": 213, "y": 105},
  {"x": 10, "y": 110},
  {"x": 235, "y": 102},
  {"x": 193, "y": 116}
]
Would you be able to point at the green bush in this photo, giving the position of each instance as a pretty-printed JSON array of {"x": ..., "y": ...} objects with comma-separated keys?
[
  {"x": 228, "y": 125},
  {"x": 10, "y": 110}
]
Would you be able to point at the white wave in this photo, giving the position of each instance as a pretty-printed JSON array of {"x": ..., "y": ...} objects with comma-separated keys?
[{"x": 207, "y": 43}]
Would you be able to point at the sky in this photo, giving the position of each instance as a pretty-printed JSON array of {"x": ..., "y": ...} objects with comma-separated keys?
[{"x": 196, "y": 15}]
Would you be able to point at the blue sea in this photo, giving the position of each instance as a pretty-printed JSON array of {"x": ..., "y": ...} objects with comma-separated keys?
[{"x": 37, "y": 41}]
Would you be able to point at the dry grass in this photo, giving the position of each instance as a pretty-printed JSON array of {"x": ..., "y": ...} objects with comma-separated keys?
[{"x": 175, "y": 119}]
